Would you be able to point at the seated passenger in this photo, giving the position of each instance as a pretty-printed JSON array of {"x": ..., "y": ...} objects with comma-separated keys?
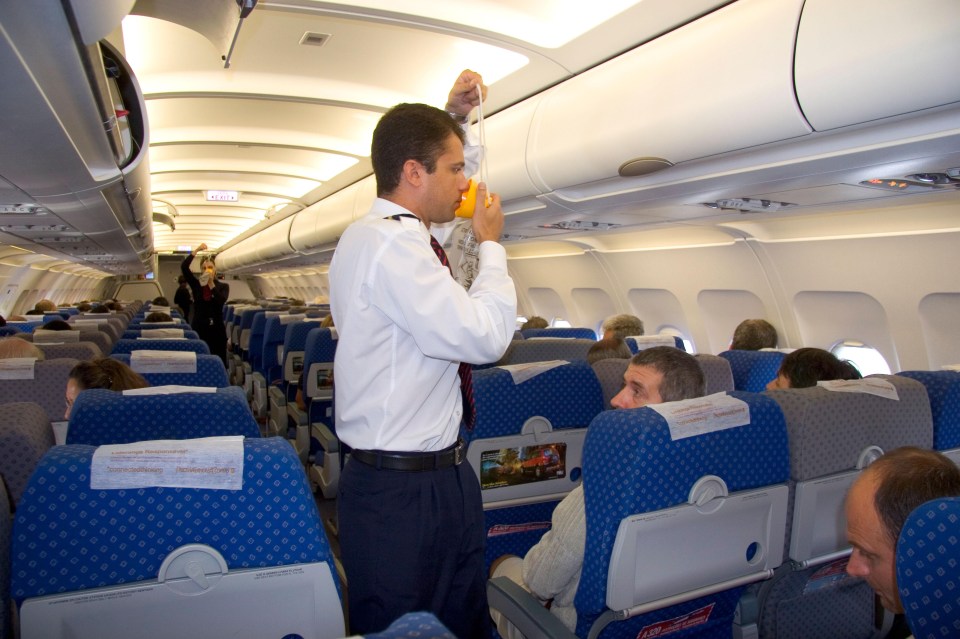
[
  {"x": 100, "y": 308},
  {"x": 114, "y": 305},
  {"x": 609, "y": 348},
  {"x": 622, "y": 326},
  {"x": 155, "y": 317},
  {"x": 84, "y": 307},
  {"x": 551, "y": 569},
  {"x": 753, "y": 335},
  {"x": 878, "y": 504},
  {"x": 535, "y": 322},
  {"x": 57, "y": 325},
  {"x": 805, "y": 367},
  {"x": 160, "y": 301},
  {"x": 13, "y": 347},
  {"x": 45, "y": 306},
  {"x": 103, "y": 372}
]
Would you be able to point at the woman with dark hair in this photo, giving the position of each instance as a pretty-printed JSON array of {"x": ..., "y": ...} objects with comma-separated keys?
[
  {"x": 805, "y": 367},
  {"x": 103, "y": 372},
  {"x": 182, "y": 298},
  {"x": 209, "y": 296}
]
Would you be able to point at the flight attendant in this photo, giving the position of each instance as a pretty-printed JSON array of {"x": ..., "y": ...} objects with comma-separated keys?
[{"x": 209, "y": 296}]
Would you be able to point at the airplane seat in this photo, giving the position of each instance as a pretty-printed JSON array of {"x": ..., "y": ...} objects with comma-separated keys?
[
  {"x": 82, "y": 351},
  {"x": 211, "y": 558},
  {"x": 526, "y": 446},
  {"x": 165, "y": 331},
  {"x": 102, "y": 340},
  {"x": 44, "y": 385},
  {"x": 943, "y": 391},
  {"x": 269, "y": 371},
  {"x": 283, "y": 411},
  {"x": 518, "y": 334},
  {"x": 129, "y": 345},
  {"x": 208, "y": 371},
  {"x": 678, "y": 519},
  {"x": 610, "y": 373},
  {"x": 25, "y": 326},
  {"x": 244, "y": 373},
  {"x": 753, "y": 370},
  {"x": 833, "y": 435},
  {"x": 25, "y": 435},
  {"x": 6, "y": 331},
  {"x": 6, "y": 629},
  {"x": 545, "y": 349},
  {"x": 559, "y": 331},
  {"x": 101, "y": 416},
  {"x": 927, "y": 559},
  {"x": 318, "y": 438},
  {"x": 716, "y": 372},
  {"x": 643, "y": 342}
]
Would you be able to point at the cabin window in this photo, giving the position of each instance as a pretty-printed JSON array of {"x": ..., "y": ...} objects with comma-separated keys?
[
  {"x": 559, "y": 322},
  {"x": 675, "y": 332},
  {"x": 867, "y": 359}
]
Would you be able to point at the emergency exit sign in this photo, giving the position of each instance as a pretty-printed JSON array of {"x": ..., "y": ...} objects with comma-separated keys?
[{"x": 222, "y": 196}]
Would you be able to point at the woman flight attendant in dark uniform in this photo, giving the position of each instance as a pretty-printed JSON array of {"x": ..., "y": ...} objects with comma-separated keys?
[{"x": 209, "y": 296}]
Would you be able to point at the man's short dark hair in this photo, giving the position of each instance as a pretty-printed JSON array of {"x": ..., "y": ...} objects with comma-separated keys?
[
  {"x": 906, "y": 478},
  {"x": 409, "y": 132},
  {"x": 682, "y": 376},
  {"x": 623, "y": 325},
  {"x": 754, "y": 334}
]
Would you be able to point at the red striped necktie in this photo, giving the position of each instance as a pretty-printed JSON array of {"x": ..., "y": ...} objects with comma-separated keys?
[{"x": 465, "y": 370}]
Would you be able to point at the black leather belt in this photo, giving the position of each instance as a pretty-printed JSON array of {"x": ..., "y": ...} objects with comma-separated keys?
[{"x": 413, "y": 462}]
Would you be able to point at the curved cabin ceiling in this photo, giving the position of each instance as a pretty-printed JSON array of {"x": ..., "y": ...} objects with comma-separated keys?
[{"x": 289, "y": 122}]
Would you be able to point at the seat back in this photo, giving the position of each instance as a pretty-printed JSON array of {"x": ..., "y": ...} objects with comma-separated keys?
[
  {"x": 753, "y": 370},
  {"x": 130, "y": 345},
  {"x": 832, "y": 436},
  {"x": 526, "y": 447},
  {"x": 210, "y": 371},
  {"x": 610, "y": 374},
  {"x": 635, "y": 467},
  {"x": 25, "y": 435},
  {"x": 943, "y": 391},
  {"x": 5, "y": 526},
  {"x": 83, "y": 351},
  {"x": 318, "y": 353},
  {"x": 274, "y": 335},
  {"x": 254, "y": 350},
  {"x": 928, "y": 556},
  {"x": 643, "y": 342},
  {"x": 107, "y": 417},
  {"x": 46, "y": 388},
  {"x": 547, "y": 349},
  {"x": 136, "y": 332},
  {"x": 716, "y": 373},
  {"x": 244, "y": 327},
  {"x": 294, "y": 343},
  {"x": 556, "y": 331},
  {"x": 182, "y": 562}
]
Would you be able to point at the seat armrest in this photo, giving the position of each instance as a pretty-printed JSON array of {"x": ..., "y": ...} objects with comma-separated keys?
[
  {"x": 524, "y": 611},
  {"x": 328, "y": 441}
]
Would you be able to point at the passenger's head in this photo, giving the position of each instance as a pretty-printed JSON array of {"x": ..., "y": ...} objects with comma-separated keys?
[
  {"x": 622, "y": 326},
  {"x": 100, "y": 308},
  {"x": 114, "y": 305},
  {"x": 3, "y": 322},
  {"x": 754, "y": 334},
  {"x": 413, "y": 133},
  {"x": 878, "y": 504},
  {"x": 45, "y": 306},
  {"x": 327, "y": 322},
  {"x": 13, "y": 347},
  {"x": 660, "y": 374},
  {"x": 182, "y": 281},
  {"x": 161, "y": 300},
  {"x": 57, "y": 325},
  {"x": 158, "y": 317},
  {"x": 610, "y": 348},
  {"x": 34, "y": 311},
  {"x": 84, "y": 307},
  {"x": 805, "y": 367},
  {"x": 103, "y": 372},
  {"x": 535, "y": 322}
]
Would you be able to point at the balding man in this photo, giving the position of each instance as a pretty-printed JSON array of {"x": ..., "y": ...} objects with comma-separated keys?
[{"x": 13, "y": 346}]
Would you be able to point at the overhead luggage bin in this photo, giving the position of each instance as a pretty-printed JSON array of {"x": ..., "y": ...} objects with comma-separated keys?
[
  {"x": 863, "y": 60},
  {"x": 319, "y": 226}
]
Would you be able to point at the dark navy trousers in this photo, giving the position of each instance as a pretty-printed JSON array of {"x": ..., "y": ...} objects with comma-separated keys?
[{"x": 413, "y": 541}]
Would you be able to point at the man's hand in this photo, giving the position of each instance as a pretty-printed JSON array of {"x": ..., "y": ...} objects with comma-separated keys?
[
  {"x": 463, "y": 96},
  {"x": 202, "y": 247},
  {"x": 487, "y": 217}
]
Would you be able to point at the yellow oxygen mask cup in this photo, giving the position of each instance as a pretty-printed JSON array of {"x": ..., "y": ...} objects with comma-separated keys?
[{"x": 469, "y": 201}]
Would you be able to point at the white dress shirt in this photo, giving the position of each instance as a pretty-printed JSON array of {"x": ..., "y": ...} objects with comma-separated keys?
[{"x": 405, "y": 325}]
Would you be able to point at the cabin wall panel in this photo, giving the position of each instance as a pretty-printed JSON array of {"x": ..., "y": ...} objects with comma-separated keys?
[
  {"x": 939, "y": 315},
  {"x": 658, "y": 308},
  {"x": 824, "y": 317},
  {"x": 897, "y": 271},
  {"x": 563, "y": 275},
  {"x": 726, "y": 309}
]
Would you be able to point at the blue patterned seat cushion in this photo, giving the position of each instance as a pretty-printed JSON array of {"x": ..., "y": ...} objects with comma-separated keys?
[
  {"x": 943, "y": 390},
  {"x": 928, "y": 568},
  {"x": 68, "y": 537},
  {"x": 753, "y": 370},
  {"x": 130, "y": 345},
  {"x": 102, "y": 416},
  {"x": 631, "y": 466},
  {"x": 210, "y": 372}
]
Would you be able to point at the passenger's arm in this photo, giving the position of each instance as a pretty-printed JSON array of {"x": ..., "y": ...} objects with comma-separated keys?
[{"x": 554, "y": 563}]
